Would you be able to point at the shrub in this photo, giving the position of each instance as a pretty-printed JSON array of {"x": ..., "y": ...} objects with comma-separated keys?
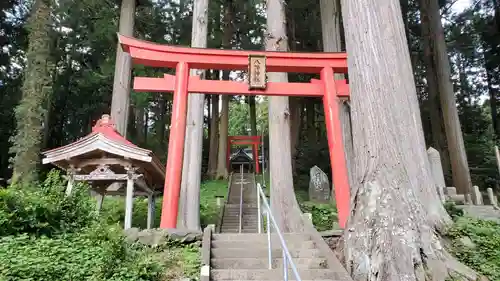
[
  {"x": 45, "y": 209},
  {"x": 453, "y": 210},
  {"x": 94, "y": 254},
  {"x": 484, "y": 255},
  {"x": 323, "y": 215},
  {"x": 113, "y": 211}
]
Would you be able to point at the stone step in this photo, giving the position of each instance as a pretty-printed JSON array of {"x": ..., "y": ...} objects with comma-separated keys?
[
  {"x": 262, "y": 253},
  {"x": 236, "y": 226},
  {"x": 259, "y": 263},
  {"x": 251, "y": 238},
  {"x": 246, "y": 218},
  {"x": 275, "y": 243},
  {"x": 273, "y": 274},
  {"x": 237, "y": 221},
  {"x": 237, "y": 231},
  {"x": 237, "y": 206}
]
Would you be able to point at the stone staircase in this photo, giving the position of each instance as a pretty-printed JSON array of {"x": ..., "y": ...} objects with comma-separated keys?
[
  {"x": 245, "y": 257},
  {"x": 231, "y": 216},
  {"x": 230, "y": 255}
]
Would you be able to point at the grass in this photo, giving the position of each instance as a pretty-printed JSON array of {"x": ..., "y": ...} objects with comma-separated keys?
[
  {"x": 324, "y": 215},
  {"x": 209, "y": 191}
]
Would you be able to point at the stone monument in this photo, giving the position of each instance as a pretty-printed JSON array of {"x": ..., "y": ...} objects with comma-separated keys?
[{"x": 319, "y": 186}]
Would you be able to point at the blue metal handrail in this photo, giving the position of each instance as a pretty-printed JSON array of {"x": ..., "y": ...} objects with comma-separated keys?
[{"x": 287, "y": 258}]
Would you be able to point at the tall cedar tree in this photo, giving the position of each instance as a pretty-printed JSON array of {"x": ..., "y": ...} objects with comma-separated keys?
[
  {"x": 37, "y": 87},
  {"x": 393, "y": 230},
  {"x": 283, "y": 201}
]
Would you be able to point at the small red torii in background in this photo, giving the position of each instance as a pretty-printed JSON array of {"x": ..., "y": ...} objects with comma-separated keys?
[
  {"x": 183, "y": 59},
  {"x": 254, "y": 141}
]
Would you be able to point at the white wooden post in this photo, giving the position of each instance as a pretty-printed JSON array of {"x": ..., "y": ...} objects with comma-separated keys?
[
  {"x": 129, "y": 201},
  {"x": 100, "y": 200},
  {"x": 151, "y": 211},
  {"x": 71, "y": 180}
]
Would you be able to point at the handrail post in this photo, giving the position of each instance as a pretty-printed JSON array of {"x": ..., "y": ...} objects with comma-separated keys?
[
  {"x": 241, "y": 196},
  {"x": 268, "y": 229},
  {"x": 259, "y": 212},
  {"x": 285, "y": 266},
  {"x": 287, "y": 258}
]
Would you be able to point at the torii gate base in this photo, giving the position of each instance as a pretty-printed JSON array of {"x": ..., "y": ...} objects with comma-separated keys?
[{"x": 154, "y": 55}]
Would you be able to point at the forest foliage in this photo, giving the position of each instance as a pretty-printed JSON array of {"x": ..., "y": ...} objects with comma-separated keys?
[
  {"x": 82, "y": 51},
  {"x": 46, "y": 235}
]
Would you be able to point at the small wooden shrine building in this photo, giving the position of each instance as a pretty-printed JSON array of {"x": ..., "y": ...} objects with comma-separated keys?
[
  {"x": 241, "y": 158},
  {"x": 107, "y": 160}
]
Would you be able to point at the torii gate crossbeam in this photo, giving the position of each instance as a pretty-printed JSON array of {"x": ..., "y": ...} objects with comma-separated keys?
[{"x": 183, "y": 59}]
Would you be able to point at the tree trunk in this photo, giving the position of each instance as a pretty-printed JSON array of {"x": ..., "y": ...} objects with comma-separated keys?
[
  {"x": 139, "y": 124},
  {"x": 456, "y": 148},
  {"x": 123, "y": 70},
  {"x": 224, "y": 115},
  {"x": 311, "y": 122},
  {"x": 253, "y": 115},
  {"x": 435, "y": 111},
  {"x": 295, "y": 118},
  {"x": 191, "y": 170},
  {"x": 37, "y": 86},
  {"x": 490, "y": 70},
  {"x": 214, "y": 137},
  {"x": 391, "y": 234},
  {"x": 283, "y": 201},
  {"x": 331, "y": 33}
]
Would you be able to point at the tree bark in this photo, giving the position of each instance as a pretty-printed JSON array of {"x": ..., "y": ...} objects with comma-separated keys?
[
  {"x": 214, "y": 137},
  {"x": 456, "y": 148},
  {"x": 391, "y": 234},
  {"x": 123, "y": 70},
  {"x": 331, "y": 35},
  {"x": 435, "y": 111},
  {"x": 37, "y": 87},
  {"x": 295, "y": 118},
  {"x": 222, "y": 172},
  {"x": 253, "y": 115},
  {"x": 283, "y": 201},
  {"x": 191, "y": 170},
  {"x": 489, "y": 66},
  {"x": 139, "y": 124},
  {"x": 311, "y": 122}
]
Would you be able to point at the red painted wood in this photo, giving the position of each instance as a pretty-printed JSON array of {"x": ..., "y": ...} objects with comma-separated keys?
[
  {"x": 254, "y": 141},
  {"x": 175, "y": 149},
  {"x": 336, "y": 147},
  {"x": 196, "y": 85},
  {"x": 341, "y": 86},
  {"x": 156, "y": 55}
]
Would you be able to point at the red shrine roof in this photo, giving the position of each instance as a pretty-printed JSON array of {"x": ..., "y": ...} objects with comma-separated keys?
[
  {"x": 103, "y": 142},
  {"x": 107, "y": 127}
]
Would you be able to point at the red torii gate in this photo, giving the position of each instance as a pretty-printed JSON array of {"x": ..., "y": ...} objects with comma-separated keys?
[
  {"x": 254, "y": 141},
  {"x": 183, "y": 59}
]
